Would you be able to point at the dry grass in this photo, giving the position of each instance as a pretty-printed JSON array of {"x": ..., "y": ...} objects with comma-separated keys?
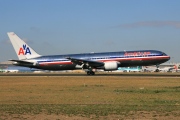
[{"x": 90, "y": 95}]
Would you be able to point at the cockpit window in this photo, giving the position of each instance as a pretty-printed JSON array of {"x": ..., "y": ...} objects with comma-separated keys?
[{"x": 164, "y": 54}]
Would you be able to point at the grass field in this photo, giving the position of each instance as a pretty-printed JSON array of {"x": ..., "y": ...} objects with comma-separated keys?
[{"x": 89, "y": 97}]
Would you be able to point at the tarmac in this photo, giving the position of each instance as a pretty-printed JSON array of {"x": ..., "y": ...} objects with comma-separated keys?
[{"x": 96, "y": 75}]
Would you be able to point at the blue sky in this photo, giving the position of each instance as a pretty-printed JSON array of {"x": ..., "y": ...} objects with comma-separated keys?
[{"x": 80, "y": 26}]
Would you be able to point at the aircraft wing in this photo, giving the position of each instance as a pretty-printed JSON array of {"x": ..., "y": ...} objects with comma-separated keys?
[{"x": 85, "y": 61}]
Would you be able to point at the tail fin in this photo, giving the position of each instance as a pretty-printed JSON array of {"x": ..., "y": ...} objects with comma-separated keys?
[{"x": 21, "y": 48}]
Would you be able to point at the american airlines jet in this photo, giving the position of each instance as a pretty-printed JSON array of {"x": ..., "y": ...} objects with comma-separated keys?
[{"x": 107, "y": 61}]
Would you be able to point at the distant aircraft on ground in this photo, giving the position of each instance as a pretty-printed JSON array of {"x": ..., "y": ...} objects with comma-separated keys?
[
  {"x": 165, "y": 68},
  {"x": 2, "y": 70},
  {"x": 156, "y": 69},
  {"x": 108, "y": 61},
  {"x": 176, "y": 68},
  {"x": 11, "y": 71}
]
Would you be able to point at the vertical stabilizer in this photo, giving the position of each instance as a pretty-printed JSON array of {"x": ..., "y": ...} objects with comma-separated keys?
[{"x": 21, "y": 48}]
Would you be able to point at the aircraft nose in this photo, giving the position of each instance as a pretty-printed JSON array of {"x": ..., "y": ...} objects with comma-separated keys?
[{"x": 169, "y": 57}]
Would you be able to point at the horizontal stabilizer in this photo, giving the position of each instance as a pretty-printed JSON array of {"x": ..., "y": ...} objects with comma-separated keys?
[{"x": 22, "y": 63}]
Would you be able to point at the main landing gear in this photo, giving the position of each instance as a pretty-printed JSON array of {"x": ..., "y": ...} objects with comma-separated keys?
[
  {"x": 88, "y": 69},
  {"x": 90, "y": 73}
]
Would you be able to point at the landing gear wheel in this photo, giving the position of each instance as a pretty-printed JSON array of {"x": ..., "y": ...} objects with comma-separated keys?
[
  {"x": 157, "y": 70},
  {"x": 90, "y": 73}
]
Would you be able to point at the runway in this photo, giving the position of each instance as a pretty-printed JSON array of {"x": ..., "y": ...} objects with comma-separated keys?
[{"x": 97, "y": 74}]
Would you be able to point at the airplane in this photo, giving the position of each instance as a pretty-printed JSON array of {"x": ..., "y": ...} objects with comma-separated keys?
[
  {"x": 176, "y": 68},
  {"x": 108, "y": 61},
  {"x": 11, "y": 71},
  {"x": 2, "y": 70},
  {"x": 156, "y": 69}
]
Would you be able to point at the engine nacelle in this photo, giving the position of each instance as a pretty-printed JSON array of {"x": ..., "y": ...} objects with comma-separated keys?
[{"x": 108, "y": 66}]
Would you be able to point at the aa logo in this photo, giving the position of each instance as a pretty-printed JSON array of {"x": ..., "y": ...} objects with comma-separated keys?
[{"x": 24, "y": 50}]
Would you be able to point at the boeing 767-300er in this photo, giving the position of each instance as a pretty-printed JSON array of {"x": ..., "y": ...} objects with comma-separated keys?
[{"x": 107, "y": 61}]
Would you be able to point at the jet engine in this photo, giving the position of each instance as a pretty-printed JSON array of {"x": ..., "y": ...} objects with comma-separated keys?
[{"x": 108, "y": 66}]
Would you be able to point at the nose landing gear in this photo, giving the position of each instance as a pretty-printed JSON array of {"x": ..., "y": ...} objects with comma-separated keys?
[{"x": 157, "y": 70}]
